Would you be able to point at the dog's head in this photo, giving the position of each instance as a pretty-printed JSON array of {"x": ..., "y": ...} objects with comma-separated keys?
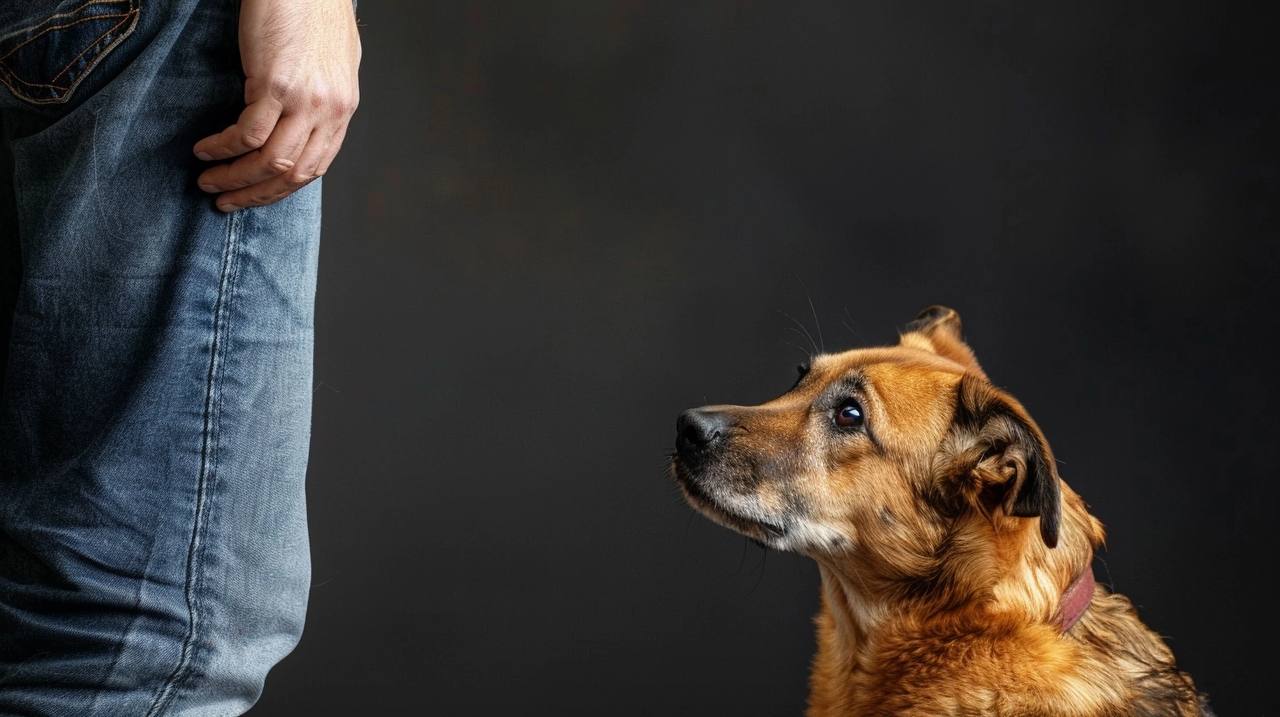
[{"x": 875, "y": 456}]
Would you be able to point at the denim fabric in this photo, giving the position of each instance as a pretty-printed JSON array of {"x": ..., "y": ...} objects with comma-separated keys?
[{"x": 156, "y": 397}]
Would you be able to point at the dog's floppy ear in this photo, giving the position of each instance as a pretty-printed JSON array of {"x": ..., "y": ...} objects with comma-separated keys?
[
  {"x": 998, "y": 458},
  {"x": 937, "y": 329}
]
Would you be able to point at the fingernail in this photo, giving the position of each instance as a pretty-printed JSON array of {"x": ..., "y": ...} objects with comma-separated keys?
[
  {"x": 228, "y": 207},
  {"x": 208, "y": 187}
]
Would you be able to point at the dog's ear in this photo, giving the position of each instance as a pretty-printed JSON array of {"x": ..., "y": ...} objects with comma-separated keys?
[
  {"x": 998, "y": 459},
  {"x": 937, "y": 329}
]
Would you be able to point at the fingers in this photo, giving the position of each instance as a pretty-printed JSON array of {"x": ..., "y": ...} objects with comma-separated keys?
[
  {"x": 279, "y": 155},
  {"x": 282, "y": 184},
  {"x": 312, "y": 163},
  {"x": 249, "y": 132},
  {"x": 262, "y": 193},
  {"x": 317, "y": 151},
  {"x": 335, "y": 144}
]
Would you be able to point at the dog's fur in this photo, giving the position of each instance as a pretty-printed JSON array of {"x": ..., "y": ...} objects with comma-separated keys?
[{"x": 944, "y": 537}]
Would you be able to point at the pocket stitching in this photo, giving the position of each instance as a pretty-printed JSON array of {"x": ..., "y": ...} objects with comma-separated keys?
[
  {"x": 69, "y": 13},
  {"x": 8, "y": 77},
  {"x": 115, "y": 27},
  {"x": 96, "y": 40}
]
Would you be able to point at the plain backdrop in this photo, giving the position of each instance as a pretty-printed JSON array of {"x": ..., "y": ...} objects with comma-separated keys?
[{"x": 557, "y": 224}]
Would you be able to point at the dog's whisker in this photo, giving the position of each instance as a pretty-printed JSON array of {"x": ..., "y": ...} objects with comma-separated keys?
[
  {"x": 797, "y": 347},
  {"x": 847, "y": 321},
  {"x": 806, "y": 336},
  {"x": 803, "y": 330},
  {"x": 822, "y": 342}
]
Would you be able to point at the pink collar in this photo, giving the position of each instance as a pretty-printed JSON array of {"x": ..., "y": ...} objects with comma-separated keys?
[{"x": 1076, "y": 599}]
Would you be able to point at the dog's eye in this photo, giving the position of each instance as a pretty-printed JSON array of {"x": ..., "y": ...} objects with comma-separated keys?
[{"x": 848, "y": 415}]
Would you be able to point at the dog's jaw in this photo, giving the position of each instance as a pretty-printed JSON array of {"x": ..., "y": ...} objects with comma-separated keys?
[
  {"x": 810, "y": 536},
  {"x": 740, "y": 514},
  {"x": 744, "y": 514}
]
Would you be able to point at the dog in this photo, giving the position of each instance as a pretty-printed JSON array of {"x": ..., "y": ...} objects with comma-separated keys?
[{"x": 956, "y": 565}]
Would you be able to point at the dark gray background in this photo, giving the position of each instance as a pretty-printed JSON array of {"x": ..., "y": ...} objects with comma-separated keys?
[{"x": 556, "y": 224}]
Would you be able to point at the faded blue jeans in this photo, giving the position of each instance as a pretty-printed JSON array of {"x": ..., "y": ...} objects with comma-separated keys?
[{"x": 156, "y": 401}]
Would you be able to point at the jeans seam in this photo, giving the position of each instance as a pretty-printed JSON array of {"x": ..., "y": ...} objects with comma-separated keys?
[{"x": 208, "y": 463}]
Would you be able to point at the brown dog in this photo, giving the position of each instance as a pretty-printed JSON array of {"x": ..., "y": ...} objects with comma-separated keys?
[{"x": 956, "y": 565}]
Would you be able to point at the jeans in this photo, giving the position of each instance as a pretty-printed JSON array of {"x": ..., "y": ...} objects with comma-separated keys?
[{"x": 157, "y": 358}]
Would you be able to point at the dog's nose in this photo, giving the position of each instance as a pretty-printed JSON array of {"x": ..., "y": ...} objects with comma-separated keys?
[{"x": 699, "y": 428}]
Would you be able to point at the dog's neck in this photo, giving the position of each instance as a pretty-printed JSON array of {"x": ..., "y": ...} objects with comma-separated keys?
[
  {"x": 1036, "y": 580},
  {"x": 851, "y": 616},
  {"x": 1020, "y": 577}
]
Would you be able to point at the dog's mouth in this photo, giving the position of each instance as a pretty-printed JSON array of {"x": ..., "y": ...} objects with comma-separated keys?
[{"x": 755, "y": 528}]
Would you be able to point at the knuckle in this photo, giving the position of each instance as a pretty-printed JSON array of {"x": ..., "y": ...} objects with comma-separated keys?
[
  {"x": 346, "y": 106},
  {"x": 280, "y": 87},
  {"x": 255, "y": 135}
]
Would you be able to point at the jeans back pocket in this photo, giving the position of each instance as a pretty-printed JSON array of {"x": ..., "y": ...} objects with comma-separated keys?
[{"x": 44, "y": 63}]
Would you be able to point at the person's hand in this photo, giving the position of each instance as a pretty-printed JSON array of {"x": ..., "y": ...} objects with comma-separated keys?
[{"x": 300, "y": 62}]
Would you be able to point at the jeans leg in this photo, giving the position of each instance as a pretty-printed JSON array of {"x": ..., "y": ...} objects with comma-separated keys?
[{"x": 155, "y": 411}]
